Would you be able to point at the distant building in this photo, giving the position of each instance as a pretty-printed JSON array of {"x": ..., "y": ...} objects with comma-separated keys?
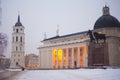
[
  {"x": 31, "y": 61},
  {"x": 18, "y": 45},
  {"x": 71, "y": 51},
  {"x": 4, "y": 63}
]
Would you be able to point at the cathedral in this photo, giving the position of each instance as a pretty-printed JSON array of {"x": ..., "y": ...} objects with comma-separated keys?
[{"x": 76, "y": 50}]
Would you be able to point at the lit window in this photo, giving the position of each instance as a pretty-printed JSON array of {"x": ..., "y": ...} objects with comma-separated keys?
[
  {"x": 57, "y": 55},
  {"x": 99, "y": 32}
]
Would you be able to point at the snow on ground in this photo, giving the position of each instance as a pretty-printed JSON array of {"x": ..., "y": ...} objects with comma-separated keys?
[
  {"x": 75, "y": 74},
  {"x": 13, "y": 69}
]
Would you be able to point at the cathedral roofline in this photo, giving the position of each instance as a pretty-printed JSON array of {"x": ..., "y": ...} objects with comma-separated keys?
[{"x": 63, "y": 36}]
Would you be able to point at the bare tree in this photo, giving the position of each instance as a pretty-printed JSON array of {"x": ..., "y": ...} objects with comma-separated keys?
[{"x": 3, "y": 44}]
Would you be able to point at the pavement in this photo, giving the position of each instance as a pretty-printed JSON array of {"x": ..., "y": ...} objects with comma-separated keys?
[{"x": 6, "y": 74}]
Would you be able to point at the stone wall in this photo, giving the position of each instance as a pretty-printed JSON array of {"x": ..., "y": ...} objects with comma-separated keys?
[{"x": 98, "y": 54}]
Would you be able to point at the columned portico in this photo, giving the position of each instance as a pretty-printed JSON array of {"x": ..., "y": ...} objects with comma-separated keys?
[
  {"x": 64, "y": 52},
  {"x": 65, "y": 57}
]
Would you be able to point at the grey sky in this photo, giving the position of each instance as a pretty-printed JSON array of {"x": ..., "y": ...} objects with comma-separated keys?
[{"x": 40, "y": 16}]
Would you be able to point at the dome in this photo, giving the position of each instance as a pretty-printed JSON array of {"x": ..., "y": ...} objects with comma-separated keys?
[{"x": 106, "y": 20}]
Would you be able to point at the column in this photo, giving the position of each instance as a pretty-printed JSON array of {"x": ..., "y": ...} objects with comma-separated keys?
[
  {"x": 39, "y": 64},
  {"x": 66, "y": 58},
  {"x": 86, "y": 61},
  {"x": 62, "y": 59},
  {"x": 78, "y": 57},
  {"x": 72, "y": 58},
  {"x": 51, "y": 57},
  {"x": 86, "y": 57},
  {"x": 57, "y": 58}
]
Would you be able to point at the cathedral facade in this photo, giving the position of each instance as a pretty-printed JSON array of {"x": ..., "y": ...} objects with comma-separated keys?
[
  {"x": 66, "y": 51},
  {"x": 72, "y": 50}
]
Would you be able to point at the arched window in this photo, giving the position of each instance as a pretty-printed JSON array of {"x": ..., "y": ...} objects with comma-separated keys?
[
  {"x": 16, "y": 38},
  {"x": 16, "y": 48},
  {"x": 17, "y": 30},
  {"x": 13, "y": 39},
  {"x": 21, "y": 39}
]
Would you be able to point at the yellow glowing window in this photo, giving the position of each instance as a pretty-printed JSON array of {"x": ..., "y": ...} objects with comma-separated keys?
[
  {"x": 99, "y": 32},
  {"x": 57, "y": 56},
  {"x": 60, "y": 54}
]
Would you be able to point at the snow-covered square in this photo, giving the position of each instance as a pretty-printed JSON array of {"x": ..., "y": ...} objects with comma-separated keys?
[{"x": 74, "y": 74}]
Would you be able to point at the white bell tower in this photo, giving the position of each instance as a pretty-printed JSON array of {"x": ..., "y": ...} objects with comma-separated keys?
[{"x": 18, "y": 45}]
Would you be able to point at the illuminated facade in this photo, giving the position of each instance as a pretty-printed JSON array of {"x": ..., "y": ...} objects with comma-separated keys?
[
  {"x": 68, "y": 51},
  {"x": 71, "y": 51}
]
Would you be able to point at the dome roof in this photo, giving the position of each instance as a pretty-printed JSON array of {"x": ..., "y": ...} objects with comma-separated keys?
[
  {"x": 18, "y": 23},
  {"x": 106, "y": 20}
]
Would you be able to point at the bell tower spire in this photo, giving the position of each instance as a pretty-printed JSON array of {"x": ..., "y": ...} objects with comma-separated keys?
[
  {"x": 18, "y": 23},
  {"x": 18, "y": 18}
]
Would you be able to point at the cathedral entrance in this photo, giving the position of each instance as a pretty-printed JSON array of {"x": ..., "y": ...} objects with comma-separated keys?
[
  {"x": 83, "y": 55},
  {"x": 64, "y": 58},
  {"x": 75, "y": 57},
  {"x": 57, "y": 58}
]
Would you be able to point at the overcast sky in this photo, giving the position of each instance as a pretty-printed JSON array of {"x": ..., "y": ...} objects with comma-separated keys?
[{"x": 40, "y": 16}]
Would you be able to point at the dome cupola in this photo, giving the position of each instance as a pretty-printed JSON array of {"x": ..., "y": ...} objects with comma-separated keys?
[
  {"x": 106, "y": 10},
  {"x": 106, "y": 20}
]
